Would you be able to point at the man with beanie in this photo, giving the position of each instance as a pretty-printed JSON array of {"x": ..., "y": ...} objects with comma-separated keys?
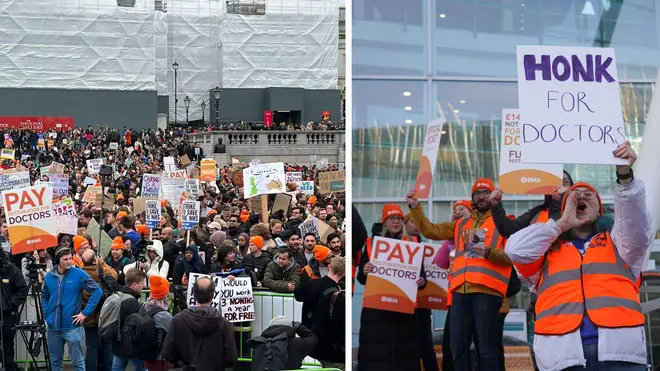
[
  {"x": 80, "y": 245},
  {"x": 62, "y": 306},
  {"x": 479, "y": 281},
  {"x": 257, "y": 260},
  {"x": 316, "y": 269},
  {"x": 99, "y": 351},
  {"x": 157, "y": 306}
]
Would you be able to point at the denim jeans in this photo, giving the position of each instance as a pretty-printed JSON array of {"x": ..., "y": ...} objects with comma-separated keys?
[
  {"x": 120, "y": 364},
  {"x": 56, "y": 341},
  {"x": 477, "y": 316},
  {"x": 99, "y": 351},
  {"x": 591, "y": 355}
]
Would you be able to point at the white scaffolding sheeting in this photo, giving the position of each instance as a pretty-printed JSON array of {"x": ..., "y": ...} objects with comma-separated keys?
[
  {"x": 77, "y": 44},
  {"x": 193, "y": 35},
  {"x": 296, "y": 44},
  {"x": 161, "y": 52}
]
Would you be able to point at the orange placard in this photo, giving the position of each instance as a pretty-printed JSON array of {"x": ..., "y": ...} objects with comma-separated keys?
[{"x": 208, "y": 170}]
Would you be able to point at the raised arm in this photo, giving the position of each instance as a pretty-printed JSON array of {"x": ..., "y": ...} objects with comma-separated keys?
[{"x": 527, "y": 247}]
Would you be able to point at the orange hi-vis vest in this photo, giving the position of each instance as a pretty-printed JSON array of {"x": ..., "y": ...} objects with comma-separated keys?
[
  {"x": 599, "y": 284},
  {"x": 542, "y": 217},
  {"x": 310, "y": 273},
  {"x": 476, "y": 270}
]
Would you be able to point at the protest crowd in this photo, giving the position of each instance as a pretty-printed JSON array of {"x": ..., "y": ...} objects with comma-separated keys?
[
  {"x": 150, "y": 234},
  {"x": 582, "y": 266}
]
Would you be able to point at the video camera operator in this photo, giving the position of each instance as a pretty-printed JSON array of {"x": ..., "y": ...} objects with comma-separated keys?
[
  {"x": 149, "y": 258},
  {"x": 14, "y": 291}
]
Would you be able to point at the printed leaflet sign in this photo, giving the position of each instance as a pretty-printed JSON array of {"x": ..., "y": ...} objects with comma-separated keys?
[
  {"x": 429, "y": 157},
  {"x": 189, "y": 214},
  {"x": 434, "y": 294},
  {"x": 152, "y": 213},
  {"x": 30, "y": 218}
]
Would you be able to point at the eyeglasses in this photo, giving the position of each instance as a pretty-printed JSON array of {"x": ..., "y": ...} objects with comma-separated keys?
[
  {"x": 483, "y": 192},
  {"x": 396, "y": 218},
  {"x": 587, "y": 194}
]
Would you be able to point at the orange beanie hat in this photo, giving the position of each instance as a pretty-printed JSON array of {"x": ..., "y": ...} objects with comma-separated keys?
[
  {"x": 391, "y": 210},
  {"x": 312, "y": 200},
  {"x": 258, "y": 241},
  {"x": 118, "y": 243},
  {"x": 466, "y": 203},
  {"x": 159, "y": 287},
  {"x": 483, "y": 183},
  {"x": 121, "y": 213},
  {"x": 321, "y": 253},
  {"x": 142, "y": 229},
  {"x": 79, "y": 242},
  {"x": 582, "y": 185}
]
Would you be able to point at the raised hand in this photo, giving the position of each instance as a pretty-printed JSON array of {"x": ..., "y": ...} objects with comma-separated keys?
[
  {"x": 412, "y": 201},
  {"x": 569, "y": 219}
]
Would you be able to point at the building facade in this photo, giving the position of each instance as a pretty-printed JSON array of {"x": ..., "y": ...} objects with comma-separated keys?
[{"x": 413, "y": 59}]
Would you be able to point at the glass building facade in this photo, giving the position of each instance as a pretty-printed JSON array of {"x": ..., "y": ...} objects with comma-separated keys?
[{"x": 414, "y": 59}]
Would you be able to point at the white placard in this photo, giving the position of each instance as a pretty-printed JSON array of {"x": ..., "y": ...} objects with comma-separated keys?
[
  {"x": 236, "y": 299},
  {"x": 571, "y": 104},
  {"x": 152, "y": 213},
  {"x": 189, "y": 214},
  {"x": 294, "y": 176},
  {"x": 264, "y": 179},
  {"x": 94, "y": 165},
  {"x": 306, "y": 187},
  {"x": 215, "y": 303}
]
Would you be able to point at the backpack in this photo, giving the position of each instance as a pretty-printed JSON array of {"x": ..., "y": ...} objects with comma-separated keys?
[
  {"x": 271, "y": 353},
  {"x": 109, "y": 319},
  {"x": 107, "y": 284},
  {"x": 139, "y": 334}
]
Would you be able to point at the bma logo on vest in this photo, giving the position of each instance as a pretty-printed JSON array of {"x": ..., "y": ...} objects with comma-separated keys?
[
  {"x": 385, "y": 299},
  {"x": 529, "y": 179}
]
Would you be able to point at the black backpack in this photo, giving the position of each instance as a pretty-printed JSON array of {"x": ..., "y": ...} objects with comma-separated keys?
[
  {"x": 140, "y": 335},
  {"x": 271, "y": 353}
]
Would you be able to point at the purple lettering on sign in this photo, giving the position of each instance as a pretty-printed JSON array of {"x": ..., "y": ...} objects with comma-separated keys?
[
  {"x": 598, "y": 131},
  {"x": 524, "y": 133},
  {"x": 580, "y": 131},
  {"x": 562, "y": 137},
  {"x": 588, "y": 70},
  {"x": 622, "y": 135},
  {"x": 553, "y": 133}
]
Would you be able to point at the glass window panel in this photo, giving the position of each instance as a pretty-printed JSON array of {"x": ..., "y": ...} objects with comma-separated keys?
[
  {"x": 389, "y": 125},
  {"x": 479, "y": 38},
  {"x": 390, "y": 37},
  {"x": 469, "y": 148}
]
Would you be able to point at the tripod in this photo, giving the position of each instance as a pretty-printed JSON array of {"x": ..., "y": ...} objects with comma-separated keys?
[{"x": 33, "y": 333}]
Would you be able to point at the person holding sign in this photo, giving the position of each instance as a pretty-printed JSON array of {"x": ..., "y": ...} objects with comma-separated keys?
[
  {"x": 388, "y": 340},
  {"x": 588, "y": 313},
  {"x": 480, "y": 277}
]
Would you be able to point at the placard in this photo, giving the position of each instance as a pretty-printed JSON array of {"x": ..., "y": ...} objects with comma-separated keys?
[
  {"x": 192, "y": 187},
  {"x": 517, "y": 177},
  {"x": 56, "y": 168},
  {"x": 114, "y": 146},
  {"x": 193, "y": 277},
  {"x": 30, "y": 218},
  {"x": 89, "y": 181},
  {"x": 207, "y": 170},
  {"x": 429, "y": 157},
  {"x": 294, "y": 176},
  {"x": 7, "y": 154},
  {"x": 237, "y": 177},
  {"x": 14, "y": 181},
  {"x": 264, "y": 179},
  {"x": 434, "y": 294},
  {"x": 65, "y": 217},
  {"x": 60, "y": 183},
  {"x": 331, "y": 181},
  {"x": 310, "y": 226},
  {"x": 189, "y": 214},
  {"x": 150, "y": 185},
  {"x": 169, "y": 164},
  {"x": 94, "y": 165},
  {"x": 306, "y": 187},
  {"x": 173, "y": 184},
  {"x": 236, "y": 301},
  {"x": 571, "y": 104},
  {"x": 282, "y": 202},
  {"x": 392, "y": 284},
  {"x": 152, "y": 213}
]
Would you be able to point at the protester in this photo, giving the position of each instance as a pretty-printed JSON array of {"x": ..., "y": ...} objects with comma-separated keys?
[
  {"x": 282, "y": 329},
  {"x": 257, "y": 259},
  {"x": 63, "y": 311},
  {"x": 158, "y": 304},
  {"x": 13, "y": 293},
  {"x": 283, "y": 274},
  {"x": 123, "y": 353},
  {"x": 200, "y": 335},
  {"x": 588, "y": 301},
  {"x": 119, "y": 258}
]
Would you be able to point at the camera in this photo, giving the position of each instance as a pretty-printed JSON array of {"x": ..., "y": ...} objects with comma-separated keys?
[
  {"x": 141, "y": 249},
  {"x": 33, "y": 268}
]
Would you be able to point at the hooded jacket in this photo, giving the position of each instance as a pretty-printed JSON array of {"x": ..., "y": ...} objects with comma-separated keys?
[
  {"x": 61, "y": 297},
  {"x": 277, "y": 279},
  {"x": 93, "y": 272},
  {"x": 200, "y": 336},
  {"x": 157, "y": 267}
]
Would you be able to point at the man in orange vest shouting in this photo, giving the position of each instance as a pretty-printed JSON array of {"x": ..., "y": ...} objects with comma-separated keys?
[
  {"x": 588, "y": 314},
  {"x": 479, "y": 280}
]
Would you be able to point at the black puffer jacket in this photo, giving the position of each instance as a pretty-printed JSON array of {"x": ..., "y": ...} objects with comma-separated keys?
[{"x": 257, "y": 265}]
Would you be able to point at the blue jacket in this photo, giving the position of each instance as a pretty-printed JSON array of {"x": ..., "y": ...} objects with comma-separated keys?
[{"x": 61, "y": 297}]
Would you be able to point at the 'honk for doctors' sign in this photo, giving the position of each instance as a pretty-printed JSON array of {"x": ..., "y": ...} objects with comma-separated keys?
[
  {"x": 30, "y": 219},
  {"x": 570, "y": 101},
  {"x": 392, "y": 285}
]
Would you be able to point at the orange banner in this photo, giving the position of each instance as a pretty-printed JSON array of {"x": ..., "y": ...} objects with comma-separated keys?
[{"x": 208, "y": 170}]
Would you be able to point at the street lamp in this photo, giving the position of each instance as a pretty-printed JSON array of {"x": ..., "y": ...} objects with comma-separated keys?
[
  {"x": 216, "y": 96},
  {"x": 186, "y": 102},
  {"x": 175, "y": 67},
  {"x": 203, "y": 111}
]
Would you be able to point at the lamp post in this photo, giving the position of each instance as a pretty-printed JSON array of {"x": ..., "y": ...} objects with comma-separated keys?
[
  {"x": 203, "y": 111},
  {"x": 216, "y": 96},
  {"x": 175, "y": 67},
  {"x": 186, "y": 102}
]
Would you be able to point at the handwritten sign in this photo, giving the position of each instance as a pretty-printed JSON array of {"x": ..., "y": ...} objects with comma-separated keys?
[
  {"x": 189, "y": 214},
  {"x": 264, "y": 179},
  {"x": 429, "y": 157},
  {"x": 152, "y": 213},
  {"x": 60, "y": 183},
  {"x": 570, "y": 102},
  {"x": 331, "y": 181},
  {"x": 7, "y": 154},
  {"x": 392, "y": 283},
  {"x": 294, "y": 176},
  {"x": 236, "y": 299},
  {"x": 517, "y": 177},
  {"x": 306, "y": 187},
  {"x": 215, "y": 303},
  {"x": 65, "y": 217},
  {"x": 30, "y": 218},
  {"x": 150, "y": 185},
  {"x": 56, "y": 168},
  {"x": 94, "y": 165}
]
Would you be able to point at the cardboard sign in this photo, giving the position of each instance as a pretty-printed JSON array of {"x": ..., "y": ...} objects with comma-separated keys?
[
  {"x": 139, "y": 205},
  {"x": 7, "y": 154},
  {"x": 185, "y": 160},
  {"x": 434, "y": 294},
  {"x": 30, "y": 218},
  {"x": 517, "y": 177},
  {"x": 282, "y": 202},
  {"x": 56, "y": 168},
  {"x": 331, "y": 181},
  {"x": 152, "y": 213},
  {"x": 215, "y": 303},
  {"x": 392, "y": 284},
  {"x": 94, "y": 166},
  {"x": 189, "y": 214},
  {"x": 571, "y": 104},
  {"x": 429, "y": 157},
  {"x": 254, "y": 204},
  {"x": 207, "y": 170},
  {"x": 91, "y": 193},
  {"x": 150, "y": 185},
  {"x": 236, "y": 301},
  {"x": 264, "y": 179}
]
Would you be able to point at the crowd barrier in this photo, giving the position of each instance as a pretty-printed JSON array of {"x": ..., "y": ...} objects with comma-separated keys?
[{"x": 267, "y": 305}]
